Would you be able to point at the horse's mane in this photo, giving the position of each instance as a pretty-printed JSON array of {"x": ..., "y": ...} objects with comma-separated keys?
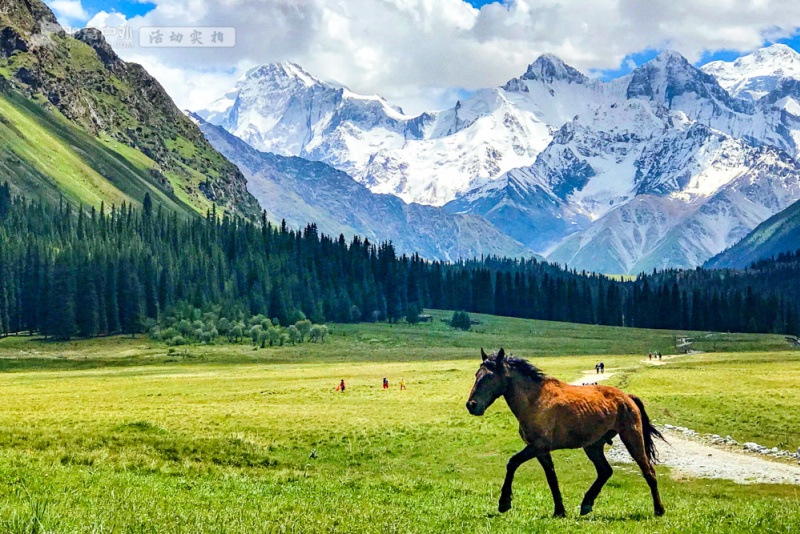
[{"x": 523, "y": 367}]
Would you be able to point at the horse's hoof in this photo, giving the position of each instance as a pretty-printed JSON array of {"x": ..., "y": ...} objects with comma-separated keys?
[
  {"x": 586, "y": 509},
  {"x": 504, "y": 506},
  {"x": 560, "y": 513},
  {"x": 659, "y": 512}
]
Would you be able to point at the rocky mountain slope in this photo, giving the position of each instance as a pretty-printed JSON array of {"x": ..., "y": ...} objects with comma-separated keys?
[
  {"x": 119, "y": 105},
  {"x": 300, "y": 191}
]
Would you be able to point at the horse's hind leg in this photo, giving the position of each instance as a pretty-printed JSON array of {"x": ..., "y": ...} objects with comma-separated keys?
[
  {"x": 550, "y": 472},
  {"x": 634, "y": 442},
  {"x": 604, "y": 471}
]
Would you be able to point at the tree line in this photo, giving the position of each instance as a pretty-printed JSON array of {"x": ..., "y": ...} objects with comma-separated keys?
[{"x": 68, "y": 271}]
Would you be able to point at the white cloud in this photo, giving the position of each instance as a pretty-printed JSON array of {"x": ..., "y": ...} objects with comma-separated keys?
[
  {"x": 414, "y": 52},
  {"x": 69, "y": 11}
]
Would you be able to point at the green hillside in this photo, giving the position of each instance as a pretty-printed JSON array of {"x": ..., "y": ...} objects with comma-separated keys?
[
  {"x": 77, "y": 120},
  {"x": 44, "y": 156}
]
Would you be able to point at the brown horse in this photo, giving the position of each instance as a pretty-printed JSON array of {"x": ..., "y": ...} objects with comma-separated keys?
[{"x": 554, "y": 415}]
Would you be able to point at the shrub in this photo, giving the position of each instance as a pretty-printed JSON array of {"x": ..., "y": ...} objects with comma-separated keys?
[
  {"x": 461, "y": 320},
  {"x": 304, "y": 328},
  {"x": 176, "y": 341},
  {"x": 318, "y": 333}
]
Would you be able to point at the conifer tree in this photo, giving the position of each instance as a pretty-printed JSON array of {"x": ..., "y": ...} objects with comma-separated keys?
[
  {"x": 61, "y": 315},
  {"x": 88, "y": 309}
]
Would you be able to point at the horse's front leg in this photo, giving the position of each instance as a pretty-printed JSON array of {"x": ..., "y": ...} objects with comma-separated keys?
[
  {"x": 528, "y": 453},
  {"x": 550, "y": 472}
]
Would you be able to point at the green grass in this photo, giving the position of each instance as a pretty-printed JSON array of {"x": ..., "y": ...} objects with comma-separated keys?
[{"x": 120, "y": 435}]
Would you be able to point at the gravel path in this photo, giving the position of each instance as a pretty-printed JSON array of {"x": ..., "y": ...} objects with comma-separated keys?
[
  {"x": 696, "y": 458},
  {"x": 590, "y": 377}
]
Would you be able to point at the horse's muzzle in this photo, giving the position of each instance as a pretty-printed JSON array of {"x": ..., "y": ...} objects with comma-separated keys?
[{"x": 474, "y": 409}]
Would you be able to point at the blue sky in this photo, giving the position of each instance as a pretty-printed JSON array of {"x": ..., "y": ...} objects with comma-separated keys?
[{"x": 129, "y": 8}]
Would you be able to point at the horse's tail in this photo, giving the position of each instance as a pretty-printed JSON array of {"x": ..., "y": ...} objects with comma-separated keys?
[{"x": 648, "y": 431}]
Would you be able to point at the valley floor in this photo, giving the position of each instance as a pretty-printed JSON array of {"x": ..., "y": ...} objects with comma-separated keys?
[{"x": 127, "y": 435}]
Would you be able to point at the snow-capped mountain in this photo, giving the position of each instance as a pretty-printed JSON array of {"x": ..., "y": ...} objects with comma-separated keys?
[
  {"x": 431, "y": 158},
  {"x": 280, "y": 108},
  {"x": 755, "y": 75},
  {"x": 611, "y": 189},
  {"x": 648, "y": 180},
  {"x": 662, "y": 167}
]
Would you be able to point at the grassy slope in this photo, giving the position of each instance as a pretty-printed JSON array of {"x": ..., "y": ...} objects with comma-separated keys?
[
  {"x": 120, "y": 435},
  {"x": 45, "y": 156}
]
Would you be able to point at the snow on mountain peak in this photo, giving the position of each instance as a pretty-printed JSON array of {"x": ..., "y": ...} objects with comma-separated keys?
[
  {"x": 549, "y": 67},
  {"x": 670, "y": 80},
  {"x": 668, "y": 55},
  {"x": 755, "y": 75},
  {"x": 286, "y": 70}
]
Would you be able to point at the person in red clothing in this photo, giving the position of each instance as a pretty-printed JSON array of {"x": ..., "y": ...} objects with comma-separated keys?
[
  {"x": 341, "y": 386},
  {"x": 385, "y": 383}
]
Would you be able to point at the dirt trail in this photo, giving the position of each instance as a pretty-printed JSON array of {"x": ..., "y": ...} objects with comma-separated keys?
[{"x": 695, "y": 458}]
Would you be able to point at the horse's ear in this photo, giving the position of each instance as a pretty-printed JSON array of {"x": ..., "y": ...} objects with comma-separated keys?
[
  {"x": 483, "y": 355},
  {"x": 501, "y": 354}
]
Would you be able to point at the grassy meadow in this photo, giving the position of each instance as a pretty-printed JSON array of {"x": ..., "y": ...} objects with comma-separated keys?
[{"x": 128, "y": 435}]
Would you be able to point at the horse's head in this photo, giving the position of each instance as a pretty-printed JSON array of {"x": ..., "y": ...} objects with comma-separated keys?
[{"x": 490, "y": 382}]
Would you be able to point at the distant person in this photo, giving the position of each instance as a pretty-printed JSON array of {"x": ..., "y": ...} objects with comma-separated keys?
[
  {"x": 385, "y": 383},
  {"x": 650, "y": 356},
  {"x": 341, "y": 386},
  {"x": 659, "y": 356},
  {"x": 602, "y": 367},
  {"x": 402, "y": 384},
  {"x": 597, "y": 368}
]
